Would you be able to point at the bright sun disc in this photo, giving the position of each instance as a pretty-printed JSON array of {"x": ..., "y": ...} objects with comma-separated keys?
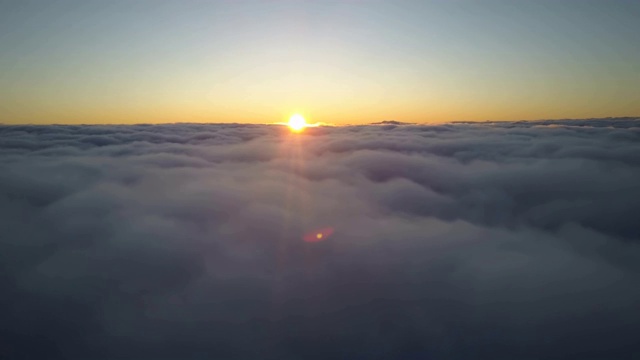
[{"x": 297, "y": 122}]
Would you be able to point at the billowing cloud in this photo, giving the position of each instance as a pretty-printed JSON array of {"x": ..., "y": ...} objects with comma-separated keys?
[{"x": 514, "y": 240}]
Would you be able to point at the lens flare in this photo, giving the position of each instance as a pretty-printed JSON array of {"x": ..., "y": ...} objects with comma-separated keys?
[{"x": 318, "y": 235}]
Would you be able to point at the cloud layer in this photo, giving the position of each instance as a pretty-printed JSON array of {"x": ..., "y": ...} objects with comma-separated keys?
[{"x": 511, "y": 240}]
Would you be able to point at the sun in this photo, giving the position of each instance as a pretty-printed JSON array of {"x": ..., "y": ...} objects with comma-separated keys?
[{"x": 297, "y": 123}]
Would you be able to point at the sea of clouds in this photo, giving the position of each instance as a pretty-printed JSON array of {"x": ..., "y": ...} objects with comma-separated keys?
[{"x": 510, "y": 240}]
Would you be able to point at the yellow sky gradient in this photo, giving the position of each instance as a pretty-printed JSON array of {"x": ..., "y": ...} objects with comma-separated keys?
[{"x": 338, "y": 63}]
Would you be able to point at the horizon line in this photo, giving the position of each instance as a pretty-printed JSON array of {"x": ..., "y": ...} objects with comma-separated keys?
[{"x": 326, "y": 124}]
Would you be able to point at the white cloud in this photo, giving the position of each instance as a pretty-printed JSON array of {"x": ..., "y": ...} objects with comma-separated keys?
[{"x": 498, "y": 240}]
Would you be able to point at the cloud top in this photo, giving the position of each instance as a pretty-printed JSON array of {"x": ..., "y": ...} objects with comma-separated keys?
[{"x": 456, "y": 241}]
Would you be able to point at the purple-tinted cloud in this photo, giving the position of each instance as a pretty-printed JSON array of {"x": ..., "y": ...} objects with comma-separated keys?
[{"x": 457, "y": 241}]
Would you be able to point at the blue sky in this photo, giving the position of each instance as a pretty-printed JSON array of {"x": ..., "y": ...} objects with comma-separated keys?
[{"x": 334, "y": 61}]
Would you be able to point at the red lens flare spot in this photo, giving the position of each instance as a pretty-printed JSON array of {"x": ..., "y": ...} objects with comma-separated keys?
[{"x": 318, "y": 235}]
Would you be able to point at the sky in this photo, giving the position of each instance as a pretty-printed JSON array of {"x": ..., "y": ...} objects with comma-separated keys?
[{"x": 339, "y": 62}]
